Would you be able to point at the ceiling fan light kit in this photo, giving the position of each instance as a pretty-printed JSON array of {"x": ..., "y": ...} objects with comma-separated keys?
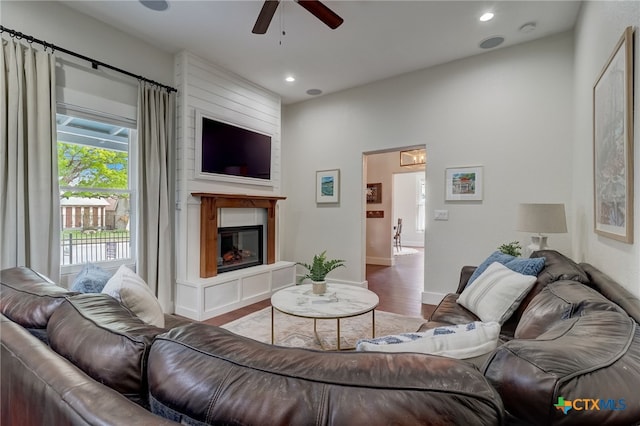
[{"x": 315, "y": 7}]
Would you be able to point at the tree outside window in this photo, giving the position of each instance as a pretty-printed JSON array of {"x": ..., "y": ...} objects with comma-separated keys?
[{"x": 95, "y": 193}]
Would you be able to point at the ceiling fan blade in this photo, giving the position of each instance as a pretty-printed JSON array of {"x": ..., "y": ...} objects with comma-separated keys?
[
  {"x": 266, "y": 15},
  {"x": 322, "y": 12}
]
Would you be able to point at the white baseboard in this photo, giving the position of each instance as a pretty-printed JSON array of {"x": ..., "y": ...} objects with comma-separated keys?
[
  {"x": 431, "y": 298},
  {"x": 409, "y": 243},
  {"x": 384, "y": 261}
]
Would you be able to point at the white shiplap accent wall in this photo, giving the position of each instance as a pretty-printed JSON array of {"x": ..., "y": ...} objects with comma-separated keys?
[
  {"x": 202, "y": 85},
  {"x": 225, "y": 96}
]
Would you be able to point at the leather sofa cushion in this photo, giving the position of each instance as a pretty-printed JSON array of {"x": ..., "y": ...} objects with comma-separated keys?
[
  {"x": 557, "y": 267},
  {"x": 105, "y": 340},
  {"x": 200, "y": 374},
  {"x": 594, "y": 355},
  {"x": 28, "y": 297},
  {"x": 449, "y": 311},
  {"x": 39, "y": 387},
  {"x": 559, "y": 301}
]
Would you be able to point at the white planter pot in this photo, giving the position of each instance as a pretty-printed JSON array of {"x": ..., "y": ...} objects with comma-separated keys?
[{"x": 319, "y": 287}]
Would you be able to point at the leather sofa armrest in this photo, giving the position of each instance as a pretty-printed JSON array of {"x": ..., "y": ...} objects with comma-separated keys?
[
  {"x": 465, "y": 274},
  {"x": 576, "y": 357},
  {"x": 41, "y": 387}
]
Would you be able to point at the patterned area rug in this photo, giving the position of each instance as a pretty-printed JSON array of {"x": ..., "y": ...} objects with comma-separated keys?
[{"x": 298, "y": 332}]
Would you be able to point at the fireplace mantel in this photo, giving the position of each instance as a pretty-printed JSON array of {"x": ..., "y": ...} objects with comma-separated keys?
[{"x": 209, "y": 205}]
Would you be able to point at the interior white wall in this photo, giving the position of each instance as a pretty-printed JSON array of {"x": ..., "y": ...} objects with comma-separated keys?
[
  {"x": 600, "y": 26},
  {"x": 509, "y": 110},
  {"x": 59, "y": 24}
]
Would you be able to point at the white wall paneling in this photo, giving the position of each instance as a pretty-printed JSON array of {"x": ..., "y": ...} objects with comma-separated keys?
[
  {"x": 221, "y": 95},
  {"x": 201, "y": 299}
]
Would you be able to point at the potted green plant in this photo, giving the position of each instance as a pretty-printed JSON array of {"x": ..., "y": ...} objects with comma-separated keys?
[
  {"x": 318, "y": 269},
  {"x": 512, "y": 248}
]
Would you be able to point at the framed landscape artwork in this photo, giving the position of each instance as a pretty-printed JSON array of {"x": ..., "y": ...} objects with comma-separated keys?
[
  {"x": 328, "y": 186},
  {"x": 613, "y": 144},
  {"x": 463, "y": 184}
]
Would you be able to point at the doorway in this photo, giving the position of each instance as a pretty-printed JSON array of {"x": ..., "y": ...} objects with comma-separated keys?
[
  {"x": 399, "y": 191},
  {"x": 400, "y": 276}
]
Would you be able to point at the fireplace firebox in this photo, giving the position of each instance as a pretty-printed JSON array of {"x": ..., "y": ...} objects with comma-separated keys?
[{"x": 239, "y": 247}]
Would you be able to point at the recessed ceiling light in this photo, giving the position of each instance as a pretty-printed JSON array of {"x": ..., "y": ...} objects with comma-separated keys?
[
  {"x": 314, "y": 92},
  {"x": 486, "y": 16},
  {"x": 491, "y": 42},
  {"x": 289, "y": 79},
  {"x": 528, "y": 27},
  {"x": 157, "y": 5}
]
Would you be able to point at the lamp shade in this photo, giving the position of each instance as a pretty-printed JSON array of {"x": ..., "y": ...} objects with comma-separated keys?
[{"x": 541, "y": 218}]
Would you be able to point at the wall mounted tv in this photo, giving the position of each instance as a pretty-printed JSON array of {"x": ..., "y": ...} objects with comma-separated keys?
[{"x": 231, "y": 153}]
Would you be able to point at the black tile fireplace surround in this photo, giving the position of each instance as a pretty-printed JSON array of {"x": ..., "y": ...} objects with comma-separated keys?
[{"x": 239, "y": 247}]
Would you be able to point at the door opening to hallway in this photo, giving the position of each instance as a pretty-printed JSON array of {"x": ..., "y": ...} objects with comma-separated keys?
[{"x": 395, "y": 268}]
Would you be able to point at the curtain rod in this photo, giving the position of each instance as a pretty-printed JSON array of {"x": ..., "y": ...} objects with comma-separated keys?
[{"x": 94, "y": 63}]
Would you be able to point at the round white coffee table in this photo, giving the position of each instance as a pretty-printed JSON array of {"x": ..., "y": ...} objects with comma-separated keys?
[{"x": 340, "y": 301}]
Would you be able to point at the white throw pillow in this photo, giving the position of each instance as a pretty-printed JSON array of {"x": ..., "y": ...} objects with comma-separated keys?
[
  {"x": 496, "y": 293},
  {"x": 129, "y": 289},
  {"x": 455, "y": 341}
]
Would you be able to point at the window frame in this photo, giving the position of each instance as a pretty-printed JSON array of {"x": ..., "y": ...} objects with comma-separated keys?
[{"x": 104, "y": 117}]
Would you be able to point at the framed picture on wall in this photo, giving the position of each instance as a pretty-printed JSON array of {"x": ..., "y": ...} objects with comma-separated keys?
[
  {"x": 613, "y": 144},
  {"x": 328, "y": 186},
  {"x": 463, "y": 183},
  {"x": 374, "y": 193}
]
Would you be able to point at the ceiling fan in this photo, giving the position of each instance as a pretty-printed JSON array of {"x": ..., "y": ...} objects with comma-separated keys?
[{"x": 317, "y": 9}]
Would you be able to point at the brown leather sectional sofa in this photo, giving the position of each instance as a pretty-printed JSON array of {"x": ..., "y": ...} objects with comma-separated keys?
[
  {"x": 94, "y": 362},
  {"x": 574, "y": 339},
  {"x": 85, "y": 359}
]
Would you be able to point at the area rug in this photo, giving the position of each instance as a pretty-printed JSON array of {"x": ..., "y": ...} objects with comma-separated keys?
[
  {"x": 298, "y": 332},
  {"x": 404, "y": 251}
]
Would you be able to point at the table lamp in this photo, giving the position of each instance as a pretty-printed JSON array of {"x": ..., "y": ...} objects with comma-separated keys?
[{"x": 541, "y": 219}]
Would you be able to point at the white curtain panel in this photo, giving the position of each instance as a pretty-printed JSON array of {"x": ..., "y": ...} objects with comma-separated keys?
[
  {"x": 156, "y": 112},
  {"x": 29, "y": 194}
]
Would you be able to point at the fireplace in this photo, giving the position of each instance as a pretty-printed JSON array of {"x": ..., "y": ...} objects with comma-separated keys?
[
  {"x": 209, "y": 205},
  {"x": 239, "y": 247}
]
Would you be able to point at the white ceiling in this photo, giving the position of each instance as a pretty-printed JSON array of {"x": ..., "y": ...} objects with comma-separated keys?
[{"x": 378, "y": 39}]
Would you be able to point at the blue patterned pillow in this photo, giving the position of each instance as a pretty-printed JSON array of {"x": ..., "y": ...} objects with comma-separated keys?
[
  {"x": 460, "y": 341},
  {"x": 496, "y": 256},
  {"x": 526, "y": 266},
  {"x": 91, "y": 279}
]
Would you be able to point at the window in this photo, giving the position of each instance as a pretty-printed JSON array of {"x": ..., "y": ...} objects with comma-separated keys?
[{"x": 96, "y": 197}]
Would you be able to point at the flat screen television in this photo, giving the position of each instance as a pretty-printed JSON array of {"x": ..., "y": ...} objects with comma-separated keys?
[{"x": 227, "y": 150}]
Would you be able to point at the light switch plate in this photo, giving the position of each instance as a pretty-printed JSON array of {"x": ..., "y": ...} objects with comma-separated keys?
[{"x": 441, "y": 214}]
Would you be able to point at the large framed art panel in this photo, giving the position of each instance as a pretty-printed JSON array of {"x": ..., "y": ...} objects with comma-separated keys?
[{"x": 613, "y": 144}]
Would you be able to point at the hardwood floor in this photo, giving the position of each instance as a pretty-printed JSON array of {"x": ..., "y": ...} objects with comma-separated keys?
[{"x": 399, "y": 288}]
